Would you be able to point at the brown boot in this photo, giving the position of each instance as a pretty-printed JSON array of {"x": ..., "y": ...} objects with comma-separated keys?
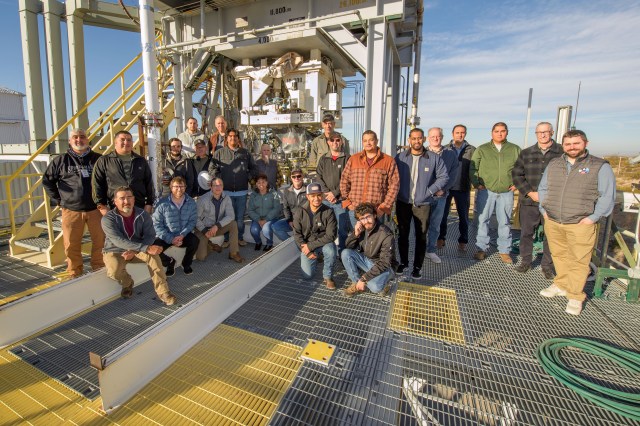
[
  {"x": 352, "y": 290},
  {"x": 214, "y": 247},
  {"x": 168, "y": 298},
  {"x": 126, "y": 292},
  {"x": 331, "y": 285},
  {"x": 440, "y": 244},
  {"x": 236, "y": 257},
  {"x": 480, "y": 255},
  {"x": 506, "y": 258},
  {"x": 462, "y": 247}
]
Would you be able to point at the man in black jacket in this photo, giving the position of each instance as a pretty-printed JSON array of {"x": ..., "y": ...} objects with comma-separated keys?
[
  {"x": 314, "y": 229},
  {"x": 292, "y": 197},
  {"x": 200, "y": 163},
  {"x": 177, "y": 163},
  {"x": 235, "y": 166},
  {"x": 370, "y": 249},
  {"x": 460, "y": 190},
  {"x": 122, "y": 167},
  {"x": 67, "y": 181},
  {"x": 526, "y": 175}
]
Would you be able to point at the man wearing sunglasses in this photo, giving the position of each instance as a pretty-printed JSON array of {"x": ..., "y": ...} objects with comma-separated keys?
[
  {"x": 329, "y": 172},
  {"x": 370, "y": 253},
  {"x": 292, "y": 197},
  {"x": 320, "y": 146}
]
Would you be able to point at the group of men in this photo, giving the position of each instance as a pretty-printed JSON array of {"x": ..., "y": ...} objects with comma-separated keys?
[{"x": 560, "y": 185}]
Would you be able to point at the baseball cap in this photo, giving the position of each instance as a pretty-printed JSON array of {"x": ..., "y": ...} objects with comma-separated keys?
[
  {"x": 199, "y": 142},
  {"x": 314, "y": 188},
  {"x": 297, "y": 170},
  {"x": 328, "y": 117}
]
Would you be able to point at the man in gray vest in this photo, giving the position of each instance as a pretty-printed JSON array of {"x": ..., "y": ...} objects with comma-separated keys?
[{"x": 576, "y": 190}]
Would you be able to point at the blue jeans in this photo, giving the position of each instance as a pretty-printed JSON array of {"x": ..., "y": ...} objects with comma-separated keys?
[
  {"x": 354, "y": 262},
  {"x": 239, "y": 208},
  {"x": 308, "y": 266},
  {"x": 435, "y": 217},
  {"x": 266, "y": 229},
  {"x": 343, "y": 222},
  {"x": 502, "y": 202},
  {"x": 282, "y": 229}
]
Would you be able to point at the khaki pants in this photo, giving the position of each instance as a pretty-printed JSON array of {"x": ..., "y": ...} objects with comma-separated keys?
[
  {"x": 72, "y": 231},
  {"x": 231, "y": 228},
  {"x": 571, "y": 246},
  {"x": 116, "y": 269}
]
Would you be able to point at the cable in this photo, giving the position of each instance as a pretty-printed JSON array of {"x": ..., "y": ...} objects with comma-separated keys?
[{"x": 626, "y": 404}]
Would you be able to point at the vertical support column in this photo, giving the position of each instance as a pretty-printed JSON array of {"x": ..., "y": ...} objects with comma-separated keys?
[
  {"x": 177, "y": 92},
  {"x": 392, "y": 138},
  {"x": 52, "y": 11},
  {"x": 153, "y": 115},
  {"x": 376, "y": 85},
  {"x": 77, "y": 70},
  {"x": 29, "y": 10}
]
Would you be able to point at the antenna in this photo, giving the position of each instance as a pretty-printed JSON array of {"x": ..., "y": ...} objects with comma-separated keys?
[{"x": 575, "y": 117}]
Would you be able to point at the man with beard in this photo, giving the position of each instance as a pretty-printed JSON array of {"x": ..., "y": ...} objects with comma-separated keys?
[
  {"x": 190, "y": 136},
  {"x": 576, "y": 190},
  {"x": 176, "y": 163}
]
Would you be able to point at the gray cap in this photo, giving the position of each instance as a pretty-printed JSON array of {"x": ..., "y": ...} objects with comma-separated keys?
[
  {"x": 199, "y": 142},
  {"x": 328, "y": 117},
  {"x": 314, "y": 188}
]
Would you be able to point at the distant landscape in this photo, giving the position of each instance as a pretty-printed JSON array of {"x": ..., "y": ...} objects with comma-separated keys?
[{"x": 625, "y": 173}]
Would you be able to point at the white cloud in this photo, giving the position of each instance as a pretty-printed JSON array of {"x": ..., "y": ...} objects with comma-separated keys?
[{"x": 480, "y": 71}]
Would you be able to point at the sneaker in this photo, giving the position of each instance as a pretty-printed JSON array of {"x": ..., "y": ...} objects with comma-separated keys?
[
  {"x": 400, "y": 269},
  {"x": 548, "y": 273},
  {"x": 552, "y": 291},
  {"x": 126, "y": 292},
  {"x": 236, "y": 257},
  {"x": 188, "y": 270},
  {"x": 462, "y": 246},
  {"x": 214, "y": 247},
  {"x": 506, "y": 258},
  {"x": 258, "y": 246},
  {"x": 331, "y": 285},
  {"x": 225, "y": 244},
  {"x": 168, "y": 298},
  {"x": 523, "y": 267},
  {"x": 242, "y": 243},
  {"x": 440, "y": 244},
  {"x": 267, "y": 247},
  {"x": 433, "y": 257},
  {"x": 171, "y": 269},
  {"x": 574, "y": 307},
  {"x": 480, "y": 255},
  {"x": 416, "y": 273},
  {"x": 352, "y": 290}
]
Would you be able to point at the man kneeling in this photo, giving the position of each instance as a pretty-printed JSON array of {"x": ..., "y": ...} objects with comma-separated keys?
[
  {"x": 314, "y": 230},
  {"x": 370, "y": 248},
  {"x": 129, "y": 238}
]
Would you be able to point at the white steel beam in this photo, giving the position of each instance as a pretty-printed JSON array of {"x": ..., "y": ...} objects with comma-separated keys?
[
  {"x": 77, "y": 69},
  {"x": 30, "y": 314},
  {"x": 378, "y": 57},
  {"x": 52, "y": 14},
  {"x": 29, "y": 10},
  {"x": 127, "y": 369},
  {"x": 349, "y": 45}
]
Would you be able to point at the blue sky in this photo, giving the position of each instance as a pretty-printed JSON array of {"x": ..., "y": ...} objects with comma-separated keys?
[{"x": 479, "y": 61}]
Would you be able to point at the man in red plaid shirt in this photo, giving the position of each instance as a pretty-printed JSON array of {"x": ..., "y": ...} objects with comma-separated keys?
[{"x": 370, "y": 176}]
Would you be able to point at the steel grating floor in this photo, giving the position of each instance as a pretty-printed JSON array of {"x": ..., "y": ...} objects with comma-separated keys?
[{"x": 386, "y": 376}]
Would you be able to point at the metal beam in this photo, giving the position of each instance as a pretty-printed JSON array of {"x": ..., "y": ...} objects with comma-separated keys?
[
  {"x": 77, "y": 70},
  {"x": 34, "y": 313},
  {"x": 29, "y": 10},
  {"x": 127, "y": 369},
  {"x": 376, "y": 85},
  {"x": 52, "y": 17}
]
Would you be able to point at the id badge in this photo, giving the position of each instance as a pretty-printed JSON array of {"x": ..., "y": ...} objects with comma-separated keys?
[{"x": 85, "y": 173}]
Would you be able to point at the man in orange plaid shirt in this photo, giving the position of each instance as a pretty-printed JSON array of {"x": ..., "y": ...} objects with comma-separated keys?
[{"x": 369, "y": 176}]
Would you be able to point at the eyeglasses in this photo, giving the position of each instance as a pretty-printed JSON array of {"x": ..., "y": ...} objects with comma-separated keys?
[
  {"x": 176, "y": 146},
  {"x": 216, "y": 184},
  {"x": 179, "y": 186},
  {"x": 367, "y": 218},
  {"x": 296, "y": 177},
  {"x": 543, "y": 133}
]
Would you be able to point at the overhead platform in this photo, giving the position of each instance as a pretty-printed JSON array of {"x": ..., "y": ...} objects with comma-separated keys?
[{"x": 456, "y": 347}]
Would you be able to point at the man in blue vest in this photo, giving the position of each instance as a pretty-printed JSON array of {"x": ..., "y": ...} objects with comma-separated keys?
[{"x": 575, "y": 192}]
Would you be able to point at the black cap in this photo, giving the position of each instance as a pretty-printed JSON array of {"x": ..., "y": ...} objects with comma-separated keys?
[
  {"x": 314, "y": 188},
  {"x": 328, "y": 117}
]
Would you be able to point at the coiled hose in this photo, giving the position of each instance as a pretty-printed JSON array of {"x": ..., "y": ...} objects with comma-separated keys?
[{"x": 624, "y": 403}]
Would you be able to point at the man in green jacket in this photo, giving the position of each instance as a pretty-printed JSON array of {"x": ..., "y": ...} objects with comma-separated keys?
[{"x": 490, "y": 174}]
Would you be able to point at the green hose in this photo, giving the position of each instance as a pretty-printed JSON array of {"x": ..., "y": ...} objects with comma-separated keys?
[{"x": 624, "y": 403}]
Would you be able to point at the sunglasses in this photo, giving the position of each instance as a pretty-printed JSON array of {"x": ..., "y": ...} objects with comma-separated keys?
[
  {"x": 296, "y": 177},
  {"x": 335, "y": 140}
]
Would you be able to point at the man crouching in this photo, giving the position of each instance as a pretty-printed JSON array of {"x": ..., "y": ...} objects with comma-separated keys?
[
  {"x": 370, "y": 248},
  {"x": 129, "y": 236}
]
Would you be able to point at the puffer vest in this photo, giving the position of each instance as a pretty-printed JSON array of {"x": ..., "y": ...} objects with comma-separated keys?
[{"x": 572, "y": 194}]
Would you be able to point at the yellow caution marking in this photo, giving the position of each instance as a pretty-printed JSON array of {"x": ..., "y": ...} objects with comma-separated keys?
[
  {"x": 33, "y": 290},
  {"x": 427, "y": 311}
]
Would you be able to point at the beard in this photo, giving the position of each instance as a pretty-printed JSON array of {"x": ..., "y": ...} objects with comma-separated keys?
[{"x": 127, "y": 209}]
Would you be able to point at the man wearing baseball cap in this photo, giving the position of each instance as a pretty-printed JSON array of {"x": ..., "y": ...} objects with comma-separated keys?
[
  {"x": 292, "y": 197},
  {"x": 314, "y": 231},
  {"x": 320, "y": 147}
]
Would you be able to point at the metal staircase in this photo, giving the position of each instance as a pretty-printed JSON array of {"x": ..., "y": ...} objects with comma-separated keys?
[{"x": 38, "y": 239}]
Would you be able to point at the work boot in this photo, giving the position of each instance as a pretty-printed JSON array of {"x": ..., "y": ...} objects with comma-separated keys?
[
  {"x": 168, "y": 298},
  {"x": 236, "y": 257},
  {"x": 480, "y": 255},
  {"x": 523, "y": 267},
  {"x": 242, "y": 243},
  {"x": 225, "y": 244},
  {"x": 548, "y": 273},
  {"x": 126, "y": 292},
  {"x": 440, "y": 244},
  {"x": 331, "y": 285},
  {"x": 462, "y": 246},
  {"x": 506, "y": 258},
  {"x": 214, "y": 247},
  {"x": 352, "y": 290}
]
